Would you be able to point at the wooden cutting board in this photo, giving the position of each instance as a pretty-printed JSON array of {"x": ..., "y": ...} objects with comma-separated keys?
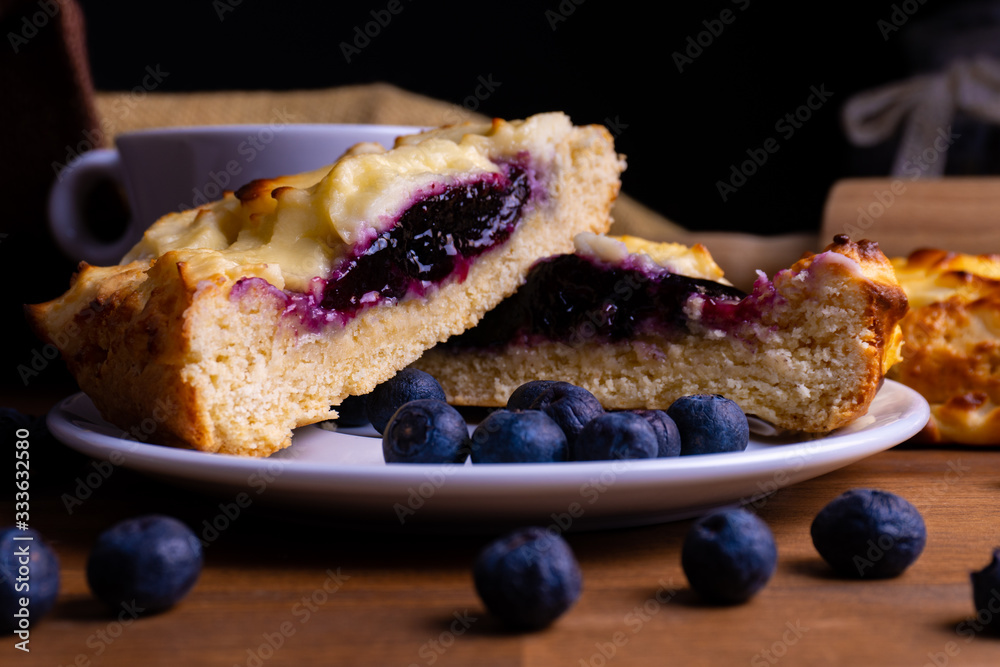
[{"x": 960, "y": 214}]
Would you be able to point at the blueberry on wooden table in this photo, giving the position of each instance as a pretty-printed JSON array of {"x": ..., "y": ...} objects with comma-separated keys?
[
  {"x": 615, "y": 436},
  {"x": 407, "y": 385},
  {"x": 986, "y": 593},
  {"x": 522, "y": 397},
  {"x": 521, "y": 436},
  {"x": 668, "y": 438},
  {"x": 569, "y": 406},
  {"x": 29, "y": 571},
  {"x": 869, "y": 534},
  {"x": 528, "y": 578},
  {"x": 729, "y": 555},
  {"x": 426, "y": 431},
  {"x": 709, "y": 424},
  {"x": 147, "y": 563}
]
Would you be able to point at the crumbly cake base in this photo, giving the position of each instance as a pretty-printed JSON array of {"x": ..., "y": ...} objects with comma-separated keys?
[
  {"x": 813, "y": 360},
  {"x": 232, "y": 376}
]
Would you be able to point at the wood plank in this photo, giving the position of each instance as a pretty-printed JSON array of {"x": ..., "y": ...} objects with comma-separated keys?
[{"x": 961, "y": 214}]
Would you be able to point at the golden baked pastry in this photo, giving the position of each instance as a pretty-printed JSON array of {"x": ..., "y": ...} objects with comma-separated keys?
[
  {"x": 951, "y": 353},
  {"x": 233, "y": 323},
  {"x": 640, "y": 324}
]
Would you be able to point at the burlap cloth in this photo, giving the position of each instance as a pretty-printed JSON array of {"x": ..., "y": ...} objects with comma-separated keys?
[{"x": 739, "y": 254}]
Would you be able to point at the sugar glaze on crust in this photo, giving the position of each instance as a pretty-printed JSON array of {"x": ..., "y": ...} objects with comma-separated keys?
[
  {"x": 952, "y": 350},
  {"x": 160, "y": 337},
  {"x": 807, "y": 353}
]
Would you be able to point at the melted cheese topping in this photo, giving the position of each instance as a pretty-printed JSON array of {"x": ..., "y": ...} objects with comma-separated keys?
[
  {"x": 692, "y": 261},
  {"x": 931, "y": 277},
  {"x": 291, "y": 229}
]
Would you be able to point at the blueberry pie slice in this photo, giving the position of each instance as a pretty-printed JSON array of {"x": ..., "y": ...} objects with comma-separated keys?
[
  {"x": 640, "y": 324},
  {"x": 231, "y": 324}
]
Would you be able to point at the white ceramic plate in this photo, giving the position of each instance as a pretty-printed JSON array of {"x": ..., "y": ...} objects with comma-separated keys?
[{"x": 342, "y": 476}]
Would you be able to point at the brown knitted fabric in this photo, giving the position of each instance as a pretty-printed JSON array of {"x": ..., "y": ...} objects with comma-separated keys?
[{"x": 47, "y": 113}]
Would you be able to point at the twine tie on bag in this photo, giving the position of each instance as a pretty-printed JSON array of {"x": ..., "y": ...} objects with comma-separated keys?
[{"x": 927, "y": 104}]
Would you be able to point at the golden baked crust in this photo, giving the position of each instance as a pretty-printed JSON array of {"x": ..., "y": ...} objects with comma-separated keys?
[
  {"x": 952, "y": 351},
  {"x": 163, "y": 343},
  {"x": 810, "y": 358}
]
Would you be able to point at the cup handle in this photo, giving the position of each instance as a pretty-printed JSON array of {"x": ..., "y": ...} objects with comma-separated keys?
[{"x": 66, "y": 199}]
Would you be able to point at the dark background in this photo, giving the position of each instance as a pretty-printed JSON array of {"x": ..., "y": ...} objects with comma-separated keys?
[{"x": 601, "y": 61}]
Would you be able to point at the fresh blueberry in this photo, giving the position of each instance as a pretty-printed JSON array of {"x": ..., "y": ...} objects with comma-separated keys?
[
  {"x": 615, "y": 435},
  {"x": 522, "y": 397},
  {"x": 148, "y": 562},
  {"x": 985, "y": 590},
  {"x": 352, "y": 411},
  {"x": 528, "y": 578},
  {"x": 426, "y": 431},
  {"x": 39, "y": 584},
  {"x": 407, "y": 385},
  {"x": 869, "y": 534},
  {"x": 528, "y": 436},
  {"x": 569, "y": 406},
  {"x": 709, "y": 424},
  {"x": 668, "y": 438},
  {"x": 729, "y": 555}
]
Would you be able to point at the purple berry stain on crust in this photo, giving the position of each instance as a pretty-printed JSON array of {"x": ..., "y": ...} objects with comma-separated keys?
[{"x": 434, "y": 240}]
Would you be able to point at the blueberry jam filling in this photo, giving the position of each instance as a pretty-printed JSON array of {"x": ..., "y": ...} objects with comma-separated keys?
[
  {"x": 434, "y": 239},
  {"x": 570, "y": 298}
]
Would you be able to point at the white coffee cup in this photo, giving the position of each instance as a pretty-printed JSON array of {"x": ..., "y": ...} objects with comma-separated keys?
[{"x": 172, "y": 169}]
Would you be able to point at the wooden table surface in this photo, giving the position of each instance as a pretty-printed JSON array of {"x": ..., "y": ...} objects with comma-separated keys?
[{"x": 280, "y": 590}]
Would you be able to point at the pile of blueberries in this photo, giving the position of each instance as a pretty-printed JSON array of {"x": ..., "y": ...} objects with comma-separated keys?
[{"x": 543, "y": 421}]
